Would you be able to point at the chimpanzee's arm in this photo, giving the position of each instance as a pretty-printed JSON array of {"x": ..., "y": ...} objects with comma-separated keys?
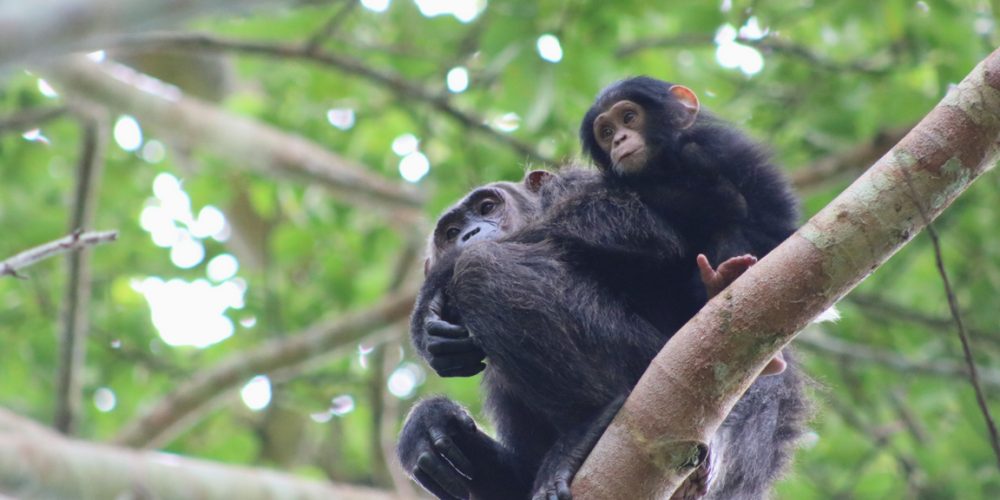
[
  {"x": 443, "y": 450},
  {"x": 446, "y": 345},
  {"x": 610, "y": 223}
]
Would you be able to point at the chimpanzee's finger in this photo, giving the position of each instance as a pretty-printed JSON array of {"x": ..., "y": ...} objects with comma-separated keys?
[
  {"x": 452, "y": 346},
  {"x": 440, "y": 328},
  {"x": 443, "y": 474},
  {"x": 445, "y": 446}
]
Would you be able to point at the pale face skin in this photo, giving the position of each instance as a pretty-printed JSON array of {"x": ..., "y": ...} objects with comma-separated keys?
[{"x": 619, "y": 132}]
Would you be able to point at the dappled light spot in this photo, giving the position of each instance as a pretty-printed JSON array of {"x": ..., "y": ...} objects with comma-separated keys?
[
  {"x": 153, "y": 152},
  {"x": 187, "y": 252},
  {"x": 210, "y": 222},
  {"x": 414, "y": 166},
  {"x": 405, "y": 380},
  {"x": 405, "y": 144},
  {"x": 97, "y": 55},
  {"x": 463, "y": 10},
  {"x": 248, "y": 321},
  {"x": 375, "y": 5},
  {"x": 46, "y": 89},
  {"x": 507, "y": 122},
  {"x": 222, "y": 267},
  {"x": 363, "y": 351},
  {"x": 342, "y": 118},
  {"x": 127, "y": 133},
  {"x": 733, "y": 55},
  {"x": 321, "y": 417},
  {"x": 549, "y": 48},
  {"x": 35, "y": 135},
  {"x": 342, "y": 405},
  {"x": 191, "y": 313},
  {"x": 256, "y": 394},
  {"x": 458, "y": 79},
  {"x": 104, "y": 399}
]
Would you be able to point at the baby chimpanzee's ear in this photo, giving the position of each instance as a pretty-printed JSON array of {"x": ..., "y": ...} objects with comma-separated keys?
[
  {"x": 688, "y": 104},
  {"x": 535, "y": 179}
]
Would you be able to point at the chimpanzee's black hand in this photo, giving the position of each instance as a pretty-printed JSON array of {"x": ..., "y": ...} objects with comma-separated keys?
[
  {"x": 429, "y": 447},
  {"x": 453, "y": 352}
]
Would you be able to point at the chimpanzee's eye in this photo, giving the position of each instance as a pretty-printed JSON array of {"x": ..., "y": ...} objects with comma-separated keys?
[
  {"x": 486, "y": 207},
  {"x": 629, "y": 117},
  {"x": 452, "y": 233}
]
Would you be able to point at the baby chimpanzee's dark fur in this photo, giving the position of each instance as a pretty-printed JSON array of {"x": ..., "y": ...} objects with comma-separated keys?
[
  {"x": 700, "y": 175},
  {"x": 568, "y": 310}
]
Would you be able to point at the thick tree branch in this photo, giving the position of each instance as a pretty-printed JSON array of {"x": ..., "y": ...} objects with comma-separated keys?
[
  {"x": 668, "y": 419},
  {"x": 392, "y": 81},
  {"x": 53, "y": 26},
  {"x": 76, "y": 302},
  {"x": 38, "y": 463},
  {"x": 245, "y": 142},
  {"x": 77, "y": 240},
  {"x": 162, "y": 419}
]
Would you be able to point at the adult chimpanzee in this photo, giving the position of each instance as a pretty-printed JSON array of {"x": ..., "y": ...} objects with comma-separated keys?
[{"x": 558, "y": 307}]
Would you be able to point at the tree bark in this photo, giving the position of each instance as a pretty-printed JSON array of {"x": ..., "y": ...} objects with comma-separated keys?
[
  {"x": 646, "y": 451},
  {"x": 38, "y": 463}
]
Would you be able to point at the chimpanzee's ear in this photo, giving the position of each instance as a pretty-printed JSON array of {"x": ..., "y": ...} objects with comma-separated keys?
[
  {"x": 688, "y": 104},
  {"x": 427, "y": 266},
  {"x": 536, "y": 179}
]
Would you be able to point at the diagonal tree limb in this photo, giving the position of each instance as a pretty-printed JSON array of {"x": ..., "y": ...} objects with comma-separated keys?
[
  {"x": 392, "y": 81},
  {"x": 161, "y": 418},
  {"x": 77, "y": 240},
  {"x": 48, "y": 27},
  {"x": 38, "y": 463},
  {"x": 667, "y": 421},
  {"x": 245, "y": 142}
]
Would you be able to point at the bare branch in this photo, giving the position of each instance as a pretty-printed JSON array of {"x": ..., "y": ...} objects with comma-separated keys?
[
  {"x": 392, "y": 81},
  {"x": 963, "y": 336},
  {"x": 646, "y": 451},
  {"x": 246, "y": 142},
  {"x": 847, "y": 162},
  {"x": 28, "y": 118},
  {"x": 55, "y": 26},
  {"x": 75, "y": 241},
  {"x": 888, "y": 359},
  {"x": 72, "y": 338},
  {"x": 316, "y": 41},
  {"x": 878, "y": 306},
  {"x": 38, "y": 463},
  {"x": 163, "y": 417}
]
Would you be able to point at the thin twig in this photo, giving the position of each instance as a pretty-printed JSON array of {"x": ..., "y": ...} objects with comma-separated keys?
[
  {"x": 74, "y": 241},
  {"x": 957, "y": 316},
  {"x": 770, "y": 44},
  {"x": 76, "y": 302},
  {"x": 28, "y": 118},
  {"x": 330, "y": 27},
  {"x": 891, "y": 360},
  {"x": 393, "y": 81}
]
